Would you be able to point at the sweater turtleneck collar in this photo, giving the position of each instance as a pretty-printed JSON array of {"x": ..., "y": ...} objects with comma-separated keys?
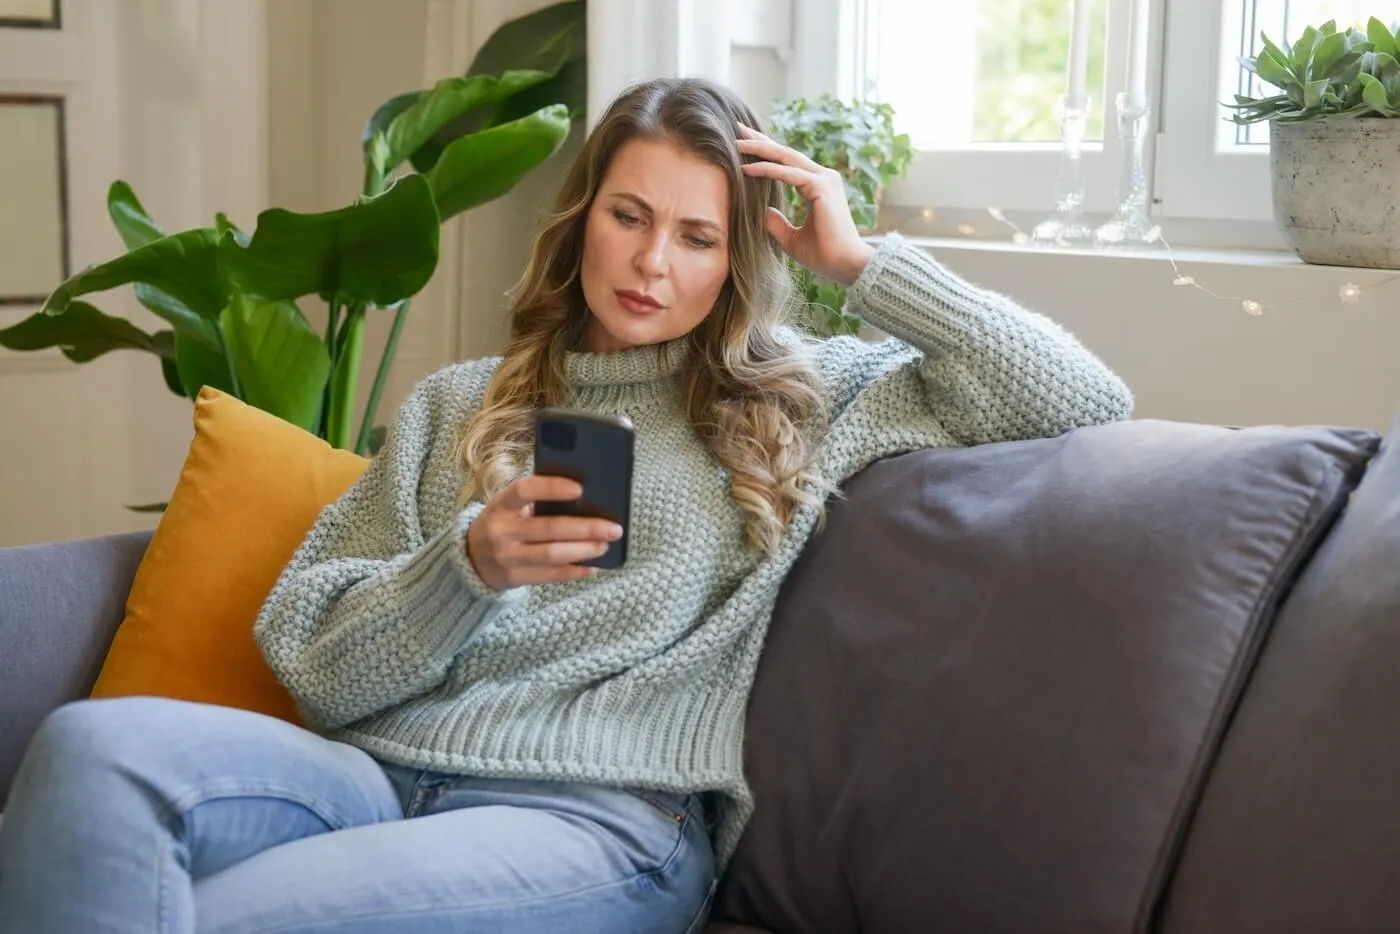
[{"x": 648, "y": 366}]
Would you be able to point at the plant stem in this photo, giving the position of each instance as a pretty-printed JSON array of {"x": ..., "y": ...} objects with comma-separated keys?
[
  {"x": 228, "y": 361},
  {"x": 381, "y": 376},
  {"x": 332, "y": 321},
  {"x": 344, "y": 377}
]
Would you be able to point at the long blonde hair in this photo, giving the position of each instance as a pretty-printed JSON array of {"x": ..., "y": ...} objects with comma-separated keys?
[{"x": 753, "y": 397}]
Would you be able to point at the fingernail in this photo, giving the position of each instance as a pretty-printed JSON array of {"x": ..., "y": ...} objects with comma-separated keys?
[
  {"x": 600, "y": 549},
  {"x": 614, "y": 532}
]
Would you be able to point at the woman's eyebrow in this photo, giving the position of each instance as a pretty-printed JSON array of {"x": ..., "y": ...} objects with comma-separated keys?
[{"x": 640, "y": 202}]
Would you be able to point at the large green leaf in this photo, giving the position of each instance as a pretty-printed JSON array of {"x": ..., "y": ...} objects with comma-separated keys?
[
  {"x": 378, "y": 251},
  {"x": 131, "y": 220},
  {"x": 417, "y": 125},
  {"x": 553, "y": 40},
  {"x": 82, "y": 333},
  {"x": 542, "y": 41},
  {"x": 569, "y": 87},
  {"x": 281, "y": 362},
  {"x": 184, "y": 266},
  {"x": 483, "y": 166},
  {"x": 198, "y": 365},
  {"x": 137, "y": 229},
  {"x": 376, "y": 148},
  {"x": 225, "y": 226},
  {"x": 169, "y": 369},
  {"x": 386, "y": 113}
]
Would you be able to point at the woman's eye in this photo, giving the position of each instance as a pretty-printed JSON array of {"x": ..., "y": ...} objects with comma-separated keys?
[
  {"x": 625, "y": 218},
  {"x": 701, "y": 243}
]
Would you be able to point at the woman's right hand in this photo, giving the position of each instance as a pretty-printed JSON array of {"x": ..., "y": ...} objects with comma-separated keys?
[{"x": 510, "y": 546}]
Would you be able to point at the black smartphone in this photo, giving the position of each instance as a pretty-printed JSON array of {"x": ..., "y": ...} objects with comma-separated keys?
[{"x": 597, "y": 451}]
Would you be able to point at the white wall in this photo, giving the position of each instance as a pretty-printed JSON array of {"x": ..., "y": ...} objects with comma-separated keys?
[{"x": 1192, "y": 358}]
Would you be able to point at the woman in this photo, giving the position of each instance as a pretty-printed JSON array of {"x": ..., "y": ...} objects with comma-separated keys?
[{"x": 501, "y": 739}]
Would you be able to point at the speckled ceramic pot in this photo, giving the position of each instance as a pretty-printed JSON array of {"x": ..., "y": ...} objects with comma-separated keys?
[{"x": 1337, "y": 190}]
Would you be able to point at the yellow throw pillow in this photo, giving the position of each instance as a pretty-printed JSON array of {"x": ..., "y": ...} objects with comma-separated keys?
[{"x": 250, "y": 489}]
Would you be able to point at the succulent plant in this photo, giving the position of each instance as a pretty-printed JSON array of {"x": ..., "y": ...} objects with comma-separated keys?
[{"x": 1326, "y": 73}]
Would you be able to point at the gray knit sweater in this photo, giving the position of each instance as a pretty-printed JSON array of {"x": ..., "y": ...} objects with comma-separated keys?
[{"x": 388, "y": 639}]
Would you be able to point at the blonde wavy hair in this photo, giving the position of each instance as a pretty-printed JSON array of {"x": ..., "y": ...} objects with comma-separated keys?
[{"x": 751, "y": 394}]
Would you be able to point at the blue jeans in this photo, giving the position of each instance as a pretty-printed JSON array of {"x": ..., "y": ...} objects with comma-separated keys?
[{"x": 142, "y": 815}]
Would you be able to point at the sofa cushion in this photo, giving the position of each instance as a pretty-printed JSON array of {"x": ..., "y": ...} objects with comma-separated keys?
[
  {"x": 1299, "y": 827},
  {"x": 992, "y": 686},
  {"x": 250, "y": 488},
  {"x": 60, "y": 602}
]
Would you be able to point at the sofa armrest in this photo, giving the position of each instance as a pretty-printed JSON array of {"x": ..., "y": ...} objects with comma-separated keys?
[{"x": 60, "y": 604}]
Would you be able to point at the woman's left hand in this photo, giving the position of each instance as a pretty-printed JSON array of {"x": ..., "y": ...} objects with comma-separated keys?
[{"x": 827, "y": 243}]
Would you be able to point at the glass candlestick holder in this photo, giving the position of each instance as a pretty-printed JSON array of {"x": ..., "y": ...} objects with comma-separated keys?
[
  {"x": 1132, "y": 223},
  {"x": 1067, "y": 225}
]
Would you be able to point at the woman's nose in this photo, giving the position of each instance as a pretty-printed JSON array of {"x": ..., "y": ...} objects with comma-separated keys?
[{"x": 651, "y": 259}]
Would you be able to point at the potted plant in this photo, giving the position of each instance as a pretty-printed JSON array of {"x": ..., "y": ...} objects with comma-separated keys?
[
  {"x": 859, "y": 140},
  {"x": 1335, "y": 151},
  {"x": 229, "y": 298}
]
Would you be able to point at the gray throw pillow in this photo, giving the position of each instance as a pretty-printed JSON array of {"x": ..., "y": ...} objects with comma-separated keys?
[
  {"x": 992, "y": 686},
  {"x": 1299, "y": 828}
]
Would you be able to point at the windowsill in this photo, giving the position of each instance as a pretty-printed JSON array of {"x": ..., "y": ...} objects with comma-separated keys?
[
  {"x": 1217, "y": 256},
  {"x": 1216, "y": 242}
]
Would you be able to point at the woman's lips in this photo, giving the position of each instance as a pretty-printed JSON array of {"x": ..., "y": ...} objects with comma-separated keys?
[{"x": 637, "y": 303}]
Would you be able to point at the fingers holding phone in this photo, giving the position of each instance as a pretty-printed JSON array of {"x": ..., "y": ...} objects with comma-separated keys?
[
  {"x": 510, "y": 545},
  {"x": 596, "y": 450}
]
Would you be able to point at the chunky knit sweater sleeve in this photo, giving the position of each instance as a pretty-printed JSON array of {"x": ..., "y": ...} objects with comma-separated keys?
[
  {"x": 988, "y": 370},
  {"x": 378, "y": 599}
]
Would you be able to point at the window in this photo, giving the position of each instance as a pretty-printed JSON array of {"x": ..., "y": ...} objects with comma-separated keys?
[
  {"x": 977, "y": 84},
  {"x": 1283, "y": 19},
  {"x": 1000, "y": 68}
]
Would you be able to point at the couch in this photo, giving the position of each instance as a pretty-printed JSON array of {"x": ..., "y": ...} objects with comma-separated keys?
[{"x": 1139, "y": 677}]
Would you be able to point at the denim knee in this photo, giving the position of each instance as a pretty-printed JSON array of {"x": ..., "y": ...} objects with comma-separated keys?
[{"x": 101, "y": 733}]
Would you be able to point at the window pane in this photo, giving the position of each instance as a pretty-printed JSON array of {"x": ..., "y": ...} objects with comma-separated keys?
[
  {"x": 980, "y": 71},
  {"x": 1285, "y": 20},
  {"x": 32, "y": 252},
  {"x": 29, "y": 13}
]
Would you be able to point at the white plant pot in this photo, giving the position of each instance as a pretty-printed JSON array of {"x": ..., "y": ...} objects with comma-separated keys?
[{"x": 1336, "y": 185}]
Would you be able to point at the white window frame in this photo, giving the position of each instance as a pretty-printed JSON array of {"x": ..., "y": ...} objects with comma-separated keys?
[
  {"x": 1192, "y": 176},
  {"x": 1195, "y": 177}
]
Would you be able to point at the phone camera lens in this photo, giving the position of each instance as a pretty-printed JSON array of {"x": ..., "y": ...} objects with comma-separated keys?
[{"x": 559, "y": 436}]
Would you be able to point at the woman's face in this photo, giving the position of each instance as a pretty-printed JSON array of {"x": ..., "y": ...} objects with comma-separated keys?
[{"x": 655, "y": 247}]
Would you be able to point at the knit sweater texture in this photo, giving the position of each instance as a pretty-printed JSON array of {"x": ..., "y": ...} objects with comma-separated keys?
[{"x": 638, "y": 677}]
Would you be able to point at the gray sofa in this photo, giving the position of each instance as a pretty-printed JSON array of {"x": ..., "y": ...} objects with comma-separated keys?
[{"x": 1138, "y": 677}]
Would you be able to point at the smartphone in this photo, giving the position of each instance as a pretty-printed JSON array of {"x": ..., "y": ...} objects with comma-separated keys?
[{"x": 597, "y": 451}]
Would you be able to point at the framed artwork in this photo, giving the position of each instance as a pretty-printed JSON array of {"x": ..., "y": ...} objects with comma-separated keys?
[
  {"x": 34, "y": 249},
  {"x": 30, "y": 14}
]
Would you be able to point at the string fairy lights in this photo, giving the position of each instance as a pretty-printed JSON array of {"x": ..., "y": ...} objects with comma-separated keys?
[{"x": 1349, "y": 293}]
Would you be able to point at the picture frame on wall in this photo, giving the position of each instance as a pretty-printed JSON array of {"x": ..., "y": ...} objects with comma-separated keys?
[
  {"x": 35, "y": 252},
  {"x": 31, "y": 14}
]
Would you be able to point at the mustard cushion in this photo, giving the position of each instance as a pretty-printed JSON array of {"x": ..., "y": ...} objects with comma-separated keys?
[{"x": 250, "y": 489}]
